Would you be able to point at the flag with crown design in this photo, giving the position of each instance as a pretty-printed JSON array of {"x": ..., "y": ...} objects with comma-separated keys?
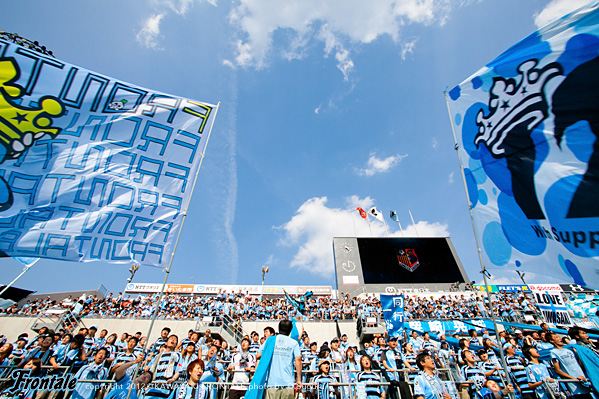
[{"x": 527, "y": 129}]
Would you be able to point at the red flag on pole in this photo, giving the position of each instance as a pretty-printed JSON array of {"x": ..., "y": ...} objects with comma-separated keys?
[{"x": 362, "y": 212}]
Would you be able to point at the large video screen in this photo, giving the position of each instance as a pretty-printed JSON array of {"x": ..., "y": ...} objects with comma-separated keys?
[{"x": 408, "y": 261}]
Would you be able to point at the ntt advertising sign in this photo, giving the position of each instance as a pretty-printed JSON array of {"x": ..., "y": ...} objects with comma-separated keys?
[{"x": 214, "y": 289}]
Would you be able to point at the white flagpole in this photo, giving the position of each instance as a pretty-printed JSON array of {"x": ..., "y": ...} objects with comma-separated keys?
[
  {"x": 25, "y": 269},
  {"x": 415, "y": 229},
  {"x": 400, "y": 229},
  {"x": 385, "y": 225},
  {"x": 167, "y": 270}
]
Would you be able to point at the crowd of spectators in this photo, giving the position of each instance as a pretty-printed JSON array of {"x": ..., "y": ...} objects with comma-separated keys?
[
  {"x": 510, "y": 306},
  {"x": 432, "y": 366}
]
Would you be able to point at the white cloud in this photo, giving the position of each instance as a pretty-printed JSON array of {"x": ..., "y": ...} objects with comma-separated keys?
[
  {"x": 378, "y": 165},
  {"x": 450, "y": 179},
  {"x": 557, "y": 9},
  {"x": 339, "y": 24},
  {"x": 408, "y": 48},
  {"x": 315, "y": 224},
  {"x": 148, "y": 34},
  {"x": 178, "y": 6},
  {"x": 435, "y": 143}
]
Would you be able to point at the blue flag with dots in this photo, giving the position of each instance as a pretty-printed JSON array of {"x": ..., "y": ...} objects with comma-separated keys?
[
  {"x": 92, "y": 168},
  {"x": 527, "y": 129}
]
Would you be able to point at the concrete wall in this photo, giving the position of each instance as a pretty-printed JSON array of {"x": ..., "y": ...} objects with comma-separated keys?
[{"x": 318, "y": 331}]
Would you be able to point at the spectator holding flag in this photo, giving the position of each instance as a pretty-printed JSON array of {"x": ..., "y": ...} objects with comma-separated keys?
[
  {"x": 92, "y": 371},
  {"x": 123, "y": 380},
  {"x": 566, "y": 366}
]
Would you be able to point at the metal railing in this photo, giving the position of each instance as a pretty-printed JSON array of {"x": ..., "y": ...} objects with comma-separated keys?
[{"x": 223, "y": 387}]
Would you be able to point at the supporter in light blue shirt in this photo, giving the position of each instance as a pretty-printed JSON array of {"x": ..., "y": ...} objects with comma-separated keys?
[
  {"x": 93, "y": 371},
  {"x": 286, "y": 356},
  {"x": 537, "y": 373},
  {"x": 123, "y": 381},
  {"x": 566, "y": 366},
  {"x": 426, "y": 384}
]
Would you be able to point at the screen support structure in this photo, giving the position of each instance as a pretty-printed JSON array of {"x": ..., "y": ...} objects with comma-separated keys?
[
  {"x": 167, "y": 269},
  {"x": 478, "y": 249}
]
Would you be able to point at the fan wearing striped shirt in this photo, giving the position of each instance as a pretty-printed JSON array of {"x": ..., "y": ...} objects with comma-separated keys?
[
  {"x": 165, "y": 367},
  {"x": 322, "y": 380},
  {"x": 129, "y": 355},
  {"x": 371, "y": 379},
  {"x": 472, "y": 373},
  {"x": 92, "y": 371}
]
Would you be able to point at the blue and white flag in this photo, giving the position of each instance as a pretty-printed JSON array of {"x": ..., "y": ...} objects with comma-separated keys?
[
  {"x": 92, "y": 168},
  {"x": 393, "y": 312},
  {"x": 527, "y": 126}
]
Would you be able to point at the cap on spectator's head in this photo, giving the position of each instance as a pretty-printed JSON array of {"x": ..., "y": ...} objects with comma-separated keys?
[
  {"x": 94, "y": 327},
  {"x": 507, "y": 345},
  {"x": 191, "y": 343},
  {"x": 335, "y": 340},
  {"x": 313, "y": 344},
  {"x": 22, "y": 339},
  {"x": 323, "y": 361},
  {"x": 392, "y": 339},
  {"x": 518, "y": 331},
  {"x": 344, "y": 335}
]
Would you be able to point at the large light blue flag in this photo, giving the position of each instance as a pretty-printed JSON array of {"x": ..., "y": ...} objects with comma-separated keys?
[
  {"x": 527, "y": 126},
  {"x": 92, "y": 168},
  {"x": 393, "y": 312}
]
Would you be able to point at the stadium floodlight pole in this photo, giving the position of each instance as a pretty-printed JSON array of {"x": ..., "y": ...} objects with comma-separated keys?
[
  {"x": 265, "y": 270},
  {"x": 167, "y": 269},
  {"x": 480, "y": 256}
]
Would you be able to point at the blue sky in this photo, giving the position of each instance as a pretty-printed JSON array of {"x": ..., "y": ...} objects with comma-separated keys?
[{"x": 325, "y": 106}]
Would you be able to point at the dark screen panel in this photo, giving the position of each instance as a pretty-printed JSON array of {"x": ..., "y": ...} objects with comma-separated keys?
[{"x": 425, "y": 261}]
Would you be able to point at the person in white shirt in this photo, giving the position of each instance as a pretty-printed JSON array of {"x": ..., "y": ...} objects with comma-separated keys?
[{"x": 242, "y": 365}]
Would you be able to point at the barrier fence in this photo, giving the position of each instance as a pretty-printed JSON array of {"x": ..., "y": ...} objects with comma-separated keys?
[{"x": 347, "y": 389}]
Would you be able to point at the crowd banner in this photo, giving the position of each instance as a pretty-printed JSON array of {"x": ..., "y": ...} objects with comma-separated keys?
[
  {"x": 583, "y": 305},
  {"x": 552, "y": 305},
  {"x": 92, "y": 168},
  {"x": 393, "y": 312},
  {"x": 450, "y": 326},
  {"x": 526, "y": 126}
]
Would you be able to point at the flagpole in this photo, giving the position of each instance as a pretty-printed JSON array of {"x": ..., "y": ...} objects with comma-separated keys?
[
  {"x": 396, "y": 219},
  {"x": 369, "y": 227},
  {"x": 480, "y": 257},
  {"x": 385, "y": 226},
  {"x": 415, "y": 229},
  {"x": 167, "y": 270},
  {"x": 25, "y": 269}
]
